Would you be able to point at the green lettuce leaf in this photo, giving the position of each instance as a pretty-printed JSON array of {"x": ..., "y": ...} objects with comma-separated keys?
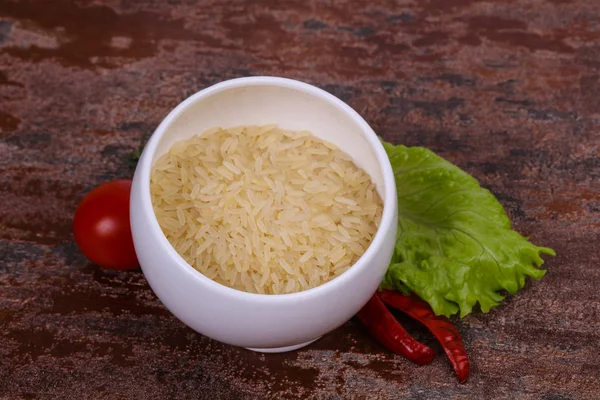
[{"x": 455, "y": 246}]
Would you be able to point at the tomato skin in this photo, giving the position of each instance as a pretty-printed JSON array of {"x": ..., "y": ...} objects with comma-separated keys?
[{"x": 101, "y": 226}]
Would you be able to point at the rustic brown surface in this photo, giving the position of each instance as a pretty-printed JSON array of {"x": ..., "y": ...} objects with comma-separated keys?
[{"x": 508, "y": 90}]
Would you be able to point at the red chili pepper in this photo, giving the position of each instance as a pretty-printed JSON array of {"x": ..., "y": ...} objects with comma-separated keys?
[
  {"x": 440, "y": 326},
  {"x": 380, "y": 322}
]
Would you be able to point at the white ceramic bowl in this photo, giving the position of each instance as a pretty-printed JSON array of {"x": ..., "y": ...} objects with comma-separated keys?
[{"x": 267, "y": 323}]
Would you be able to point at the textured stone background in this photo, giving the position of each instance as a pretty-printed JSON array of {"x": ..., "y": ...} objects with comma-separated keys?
[{"x": 508, "y": 90}]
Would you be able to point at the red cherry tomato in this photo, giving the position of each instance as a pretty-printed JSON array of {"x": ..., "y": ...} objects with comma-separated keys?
[{"x": 101, "y": 226}]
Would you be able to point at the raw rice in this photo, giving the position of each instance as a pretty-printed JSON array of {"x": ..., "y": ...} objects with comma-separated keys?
[{"x": 264, "y": 210}]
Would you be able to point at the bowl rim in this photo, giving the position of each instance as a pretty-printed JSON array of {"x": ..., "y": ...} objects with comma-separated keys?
[{"x": 143, "y": 169}]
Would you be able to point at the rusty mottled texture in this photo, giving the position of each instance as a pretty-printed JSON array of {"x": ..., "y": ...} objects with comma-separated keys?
[{"x": 508, "y": 90}]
